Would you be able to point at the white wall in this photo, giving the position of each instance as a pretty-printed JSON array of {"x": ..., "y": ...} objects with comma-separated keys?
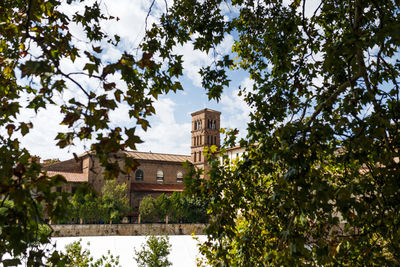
[{"x": 184, "y": 249}]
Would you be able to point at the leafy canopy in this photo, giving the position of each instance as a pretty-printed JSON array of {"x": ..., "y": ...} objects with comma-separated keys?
[
  {"x": 115, "y": 201},
  {"x": 75, "y": 255},
  {"x": 319, "y": 183},
  {"x": 39, "y": 42},
  {"x": 154, "y": 252}
]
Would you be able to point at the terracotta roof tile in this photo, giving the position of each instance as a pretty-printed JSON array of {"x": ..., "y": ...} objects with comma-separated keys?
[
  {"x": 145, "y": 187},
  {"x": 157, "y": 156},
  {"x": 70, "y": 165},
  {"x": 70, "y": 176}
]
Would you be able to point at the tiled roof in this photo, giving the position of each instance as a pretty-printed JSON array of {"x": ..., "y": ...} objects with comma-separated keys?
[
  {"x": 204, "y": 110},
  {"x": 145, "y": 187},
  {"x": 70, "y": 165},
  {"x": 70, "y": 176},
  {"x": 157, "y": 156}
]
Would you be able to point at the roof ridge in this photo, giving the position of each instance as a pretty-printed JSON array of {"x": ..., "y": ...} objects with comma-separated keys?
[{"x": 158, "y": 153}]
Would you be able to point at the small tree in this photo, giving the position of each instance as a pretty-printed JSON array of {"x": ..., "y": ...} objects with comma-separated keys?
[
  {"x": 75, "y": 255},
  {"x": 163, "y": 207},
  {"x": 177, "y": 212},
  {"x": 194, "y": 209},
  {"x": 86, "y": 205},
  {"x": 154, "y": 252},
  {"x": 147, "y": 209},
  {"x": 115, "y": 201}
]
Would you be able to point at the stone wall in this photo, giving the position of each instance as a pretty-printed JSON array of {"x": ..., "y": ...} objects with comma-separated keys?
[{"x": 61, "y": 230}]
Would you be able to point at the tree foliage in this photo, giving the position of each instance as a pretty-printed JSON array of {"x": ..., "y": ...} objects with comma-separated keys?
[
  {"x": 179, "y": 207},
  {"x": 319, "y": 182},
  {"x": 86, "y": 204},
  {"x": 114, "y": 201},
  {"x": 75, "y": 256},
  {"x": 39, "y": 42},
  {"x": 154, "y": 252},
  {"x": 147, "y": 210}
]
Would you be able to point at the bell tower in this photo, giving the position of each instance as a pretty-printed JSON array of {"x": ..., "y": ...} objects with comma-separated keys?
[{"x": 205, "y": 132}]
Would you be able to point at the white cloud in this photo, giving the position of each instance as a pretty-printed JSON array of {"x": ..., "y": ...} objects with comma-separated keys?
[
  {"x": 193, "y": 60},
  {"x": 41, "y": 139},
  {"x": 235, "y": 111},
  {"x": 165, "y": 134}
]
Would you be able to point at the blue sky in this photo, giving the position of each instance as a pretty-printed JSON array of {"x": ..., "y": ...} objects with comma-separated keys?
[{"x": 170, "y": 127}]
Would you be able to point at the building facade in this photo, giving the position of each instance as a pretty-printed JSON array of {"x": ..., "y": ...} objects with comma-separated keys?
[{"x": 156, "y": 173}]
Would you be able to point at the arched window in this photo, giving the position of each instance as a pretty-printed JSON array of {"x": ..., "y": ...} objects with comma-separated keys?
[
  {"x": 199, "y": 156},
  {"x": 139, "y": 175},
  {"x": 179, "y": 177},
  {"x": 160, "y": 175},
  {"x": 194, "y": 158}
]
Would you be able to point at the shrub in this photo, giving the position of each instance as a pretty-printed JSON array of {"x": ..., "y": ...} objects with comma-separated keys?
[{"x": 154, "y": 252}]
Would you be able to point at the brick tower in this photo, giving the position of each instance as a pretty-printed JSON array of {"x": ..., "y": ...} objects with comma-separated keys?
[{"x": 205, "y": 132}]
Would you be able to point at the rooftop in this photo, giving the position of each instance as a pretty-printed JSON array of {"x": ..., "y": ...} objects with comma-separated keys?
[
  {"x": 157, "y": 156},
  {"x": 70, "y": 165},
  {"x": 70, "y": 176},
  {"x": 205, "y": 110}
]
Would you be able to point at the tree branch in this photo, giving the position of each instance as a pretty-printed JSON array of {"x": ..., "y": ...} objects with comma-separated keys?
[{"x": 330, "y": 99}]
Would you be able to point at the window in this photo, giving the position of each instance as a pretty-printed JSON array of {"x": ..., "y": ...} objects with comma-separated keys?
[
  {"x": 179, "y": 177},
  {"x": 160, "y": 176},
  {"x": 215, "y": 140},
  {"x": 58, "y": 189},
  {"x": 194, "y": 158},
  {"x": 208, "y": 140},
  {"x": 139, "y": 175},
  {"x": 199, "y": 156},
  {"x": 73, "y": 189}
]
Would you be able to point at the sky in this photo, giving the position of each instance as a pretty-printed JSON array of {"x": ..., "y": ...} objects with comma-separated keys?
[{"x": 171, "y": 125}]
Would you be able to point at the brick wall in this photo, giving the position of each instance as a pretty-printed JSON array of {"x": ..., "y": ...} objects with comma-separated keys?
[{"x": 62, "y": 230}]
